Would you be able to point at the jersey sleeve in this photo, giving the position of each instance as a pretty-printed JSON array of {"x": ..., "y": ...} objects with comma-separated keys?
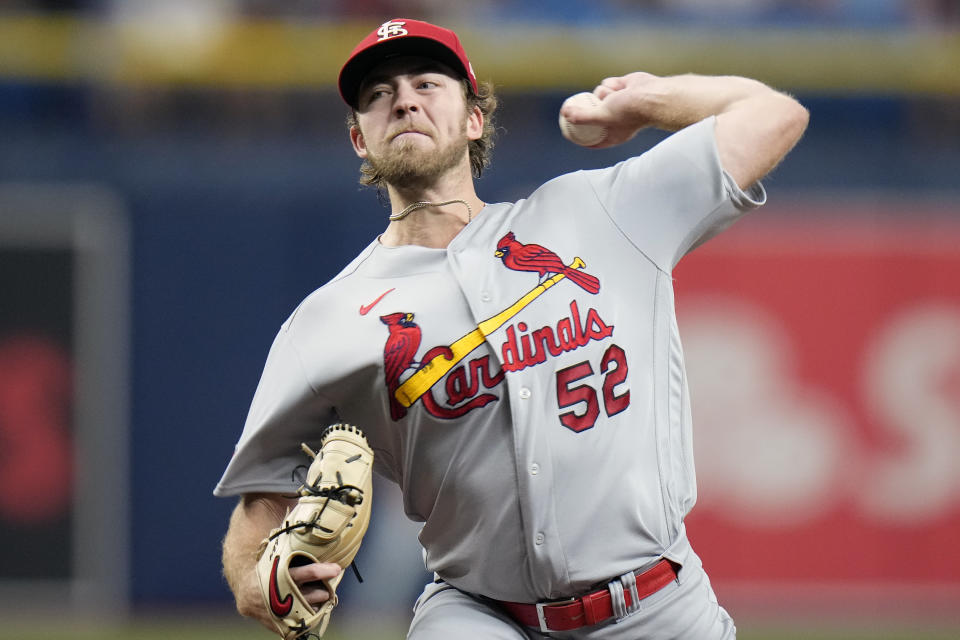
[
  {"x": 284, "y": 412},
  {"x": 675, "y": 196}
]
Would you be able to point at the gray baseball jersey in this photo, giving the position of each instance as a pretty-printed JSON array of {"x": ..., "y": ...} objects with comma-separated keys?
[{"x": 524, "y": 386}]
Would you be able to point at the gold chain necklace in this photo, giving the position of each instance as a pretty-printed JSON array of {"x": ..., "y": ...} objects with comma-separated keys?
[{"x": 423, "y": 203}]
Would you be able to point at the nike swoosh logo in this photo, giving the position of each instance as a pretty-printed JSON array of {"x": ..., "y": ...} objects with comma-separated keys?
[
  {"x": 365, "y": 308},
  {"x": 279, "y": 606}
]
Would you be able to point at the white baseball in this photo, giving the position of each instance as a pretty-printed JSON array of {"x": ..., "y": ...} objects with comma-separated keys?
[{"x": 585, "y": 135}]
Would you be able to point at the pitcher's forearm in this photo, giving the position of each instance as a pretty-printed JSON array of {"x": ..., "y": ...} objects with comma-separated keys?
[
  {"x": 756, "y": 125},
  {"x": 674, "y": 102},
  {"x": 251, "y": 521}
]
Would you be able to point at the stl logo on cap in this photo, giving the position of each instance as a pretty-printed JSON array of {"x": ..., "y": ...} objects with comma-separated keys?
[{"x": 391, "y": 29}]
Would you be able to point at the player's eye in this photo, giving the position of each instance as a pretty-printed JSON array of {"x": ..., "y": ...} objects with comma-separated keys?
[{"x": 372, "y": 95}]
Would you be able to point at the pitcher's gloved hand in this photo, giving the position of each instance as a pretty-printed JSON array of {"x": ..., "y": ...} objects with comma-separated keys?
[{"x": 326, "y": 525}]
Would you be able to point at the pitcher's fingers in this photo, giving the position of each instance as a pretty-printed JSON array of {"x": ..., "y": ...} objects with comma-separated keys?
[
  {"x": 314, "y": 572},
  {"x": 310, "y": 580},
  {"x": 608, "y": 86},
  {"x": 315, "y": 593}
]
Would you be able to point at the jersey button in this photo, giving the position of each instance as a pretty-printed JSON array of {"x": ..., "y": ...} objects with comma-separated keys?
[
  {"x": 485, "y": 296},
  {"x": 524, "y": 393},
  {"x": 534, "y": 469},
  {"x": 539, "y": 538}
]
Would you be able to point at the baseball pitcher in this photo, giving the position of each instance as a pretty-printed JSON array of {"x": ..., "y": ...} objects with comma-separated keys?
[{"x": 515, "y": 367}]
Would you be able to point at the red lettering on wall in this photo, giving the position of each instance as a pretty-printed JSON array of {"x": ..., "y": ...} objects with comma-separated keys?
[{"x": 36, "y": 460}]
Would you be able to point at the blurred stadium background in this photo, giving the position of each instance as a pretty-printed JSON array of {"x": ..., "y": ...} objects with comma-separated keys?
[{"x": 175, "y": 177}]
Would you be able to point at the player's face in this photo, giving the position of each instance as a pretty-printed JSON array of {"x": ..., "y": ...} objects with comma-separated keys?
[{"x": 413, "y": 124}]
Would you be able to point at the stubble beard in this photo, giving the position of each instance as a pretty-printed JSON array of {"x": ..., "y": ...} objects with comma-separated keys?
[{"x": 408, "y": 166}]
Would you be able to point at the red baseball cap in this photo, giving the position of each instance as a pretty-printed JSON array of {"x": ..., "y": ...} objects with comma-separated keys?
[{"x": 399, "y": 37}]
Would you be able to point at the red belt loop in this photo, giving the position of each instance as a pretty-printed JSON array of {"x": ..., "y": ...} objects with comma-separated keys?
[
  {"x": 591, "y": 615},
  {"x": 591, "y": 609}
]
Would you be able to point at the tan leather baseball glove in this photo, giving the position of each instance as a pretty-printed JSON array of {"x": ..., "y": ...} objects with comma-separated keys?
[{"x": 326, "y": 525}]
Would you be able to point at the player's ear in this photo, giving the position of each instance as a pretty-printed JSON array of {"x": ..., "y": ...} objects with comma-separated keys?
[
  {"x": 474, "y": 124},
  {"x": 359, "y": 144}
]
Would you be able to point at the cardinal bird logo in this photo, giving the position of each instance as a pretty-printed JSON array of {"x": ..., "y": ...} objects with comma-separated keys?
[
  {"x": 399, "y": 354},
  {"x": 533, "y": 257}
]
